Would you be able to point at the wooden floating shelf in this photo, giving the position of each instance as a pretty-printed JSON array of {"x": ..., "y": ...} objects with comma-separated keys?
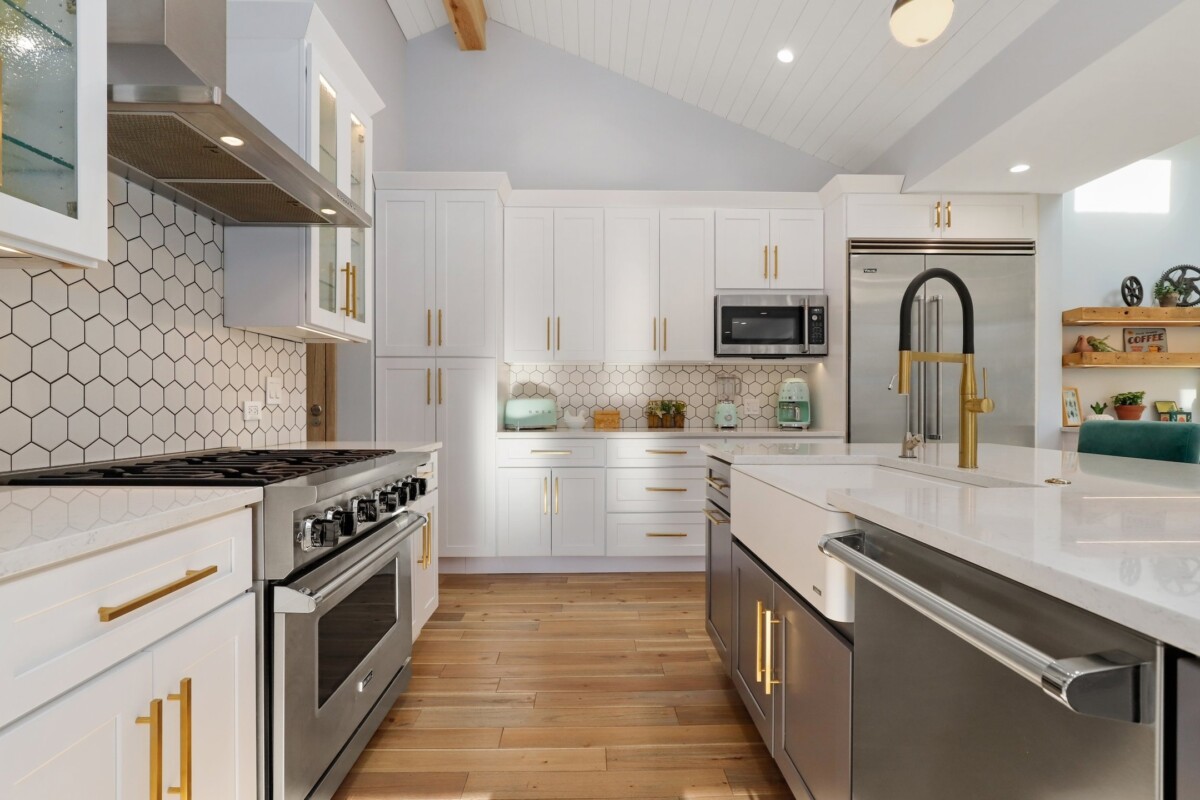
[
  {"x": 1160, "y": 360},
  {"x": 1118, "y": 316}
]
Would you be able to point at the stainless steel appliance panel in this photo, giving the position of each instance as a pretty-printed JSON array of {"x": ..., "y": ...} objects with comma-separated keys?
[
  {"x": 935, "y": 717},
  {"x": 719, "y": 562}
]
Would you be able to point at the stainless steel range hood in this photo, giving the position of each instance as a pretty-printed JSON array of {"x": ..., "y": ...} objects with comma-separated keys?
[{"x": 172, "y": 128}]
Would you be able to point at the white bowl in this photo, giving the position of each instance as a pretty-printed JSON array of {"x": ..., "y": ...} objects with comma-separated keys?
[{"x": 574, "y": 421}]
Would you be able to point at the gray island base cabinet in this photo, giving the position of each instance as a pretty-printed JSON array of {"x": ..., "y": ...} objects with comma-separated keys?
[{"x": 793, "y": 672}]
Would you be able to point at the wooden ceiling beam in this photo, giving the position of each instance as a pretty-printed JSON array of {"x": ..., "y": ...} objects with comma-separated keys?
[{"x": 469, "y": 19}]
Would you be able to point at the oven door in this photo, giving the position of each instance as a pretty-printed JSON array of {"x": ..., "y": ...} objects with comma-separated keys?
[
  {"x": 770, "y": 326},
  {"x": 342, "y": 635}
]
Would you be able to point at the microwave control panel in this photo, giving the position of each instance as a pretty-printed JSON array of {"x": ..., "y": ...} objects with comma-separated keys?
[{"x": 816, "y": 326}]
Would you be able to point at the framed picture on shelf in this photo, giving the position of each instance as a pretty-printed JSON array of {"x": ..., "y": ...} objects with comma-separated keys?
[
  {"x": 1145, "y": 340},
  {"x": 1071, "y": 408}
]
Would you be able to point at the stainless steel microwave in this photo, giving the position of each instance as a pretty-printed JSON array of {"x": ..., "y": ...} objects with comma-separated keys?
[{"x": 771, "y": 325}]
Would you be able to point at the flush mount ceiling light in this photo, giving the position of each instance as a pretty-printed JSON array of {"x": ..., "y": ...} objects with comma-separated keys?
[
  {"x": 232, "y": 141},
  {"x": 786, "y": 56},
  {"x": 1019, "y": 168},
  {"x": 918, "y": 22}
]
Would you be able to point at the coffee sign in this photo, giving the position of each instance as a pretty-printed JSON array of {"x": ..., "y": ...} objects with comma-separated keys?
[{"x": 1145, "y": 340}]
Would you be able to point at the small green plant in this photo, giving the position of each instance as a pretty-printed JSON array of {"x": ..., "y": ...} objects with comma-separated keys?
[
  {"x": 678, "y": 407},
  {"x": 1099, "y": 408},
  {"x": 1164, "y": 288},
  {"x": 1129, "y": 398}
]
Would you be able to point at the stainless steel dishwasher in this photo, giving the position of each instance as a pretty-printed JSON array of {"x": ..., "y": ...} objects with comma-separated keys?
[
  {"x": 967, "y": 685},
  {"x": 718, "y": 554}
]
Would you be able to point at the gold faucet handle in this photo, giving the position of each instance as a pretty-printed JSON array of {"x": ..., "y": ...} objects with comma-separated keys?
[{"x": 985, "y": 404}]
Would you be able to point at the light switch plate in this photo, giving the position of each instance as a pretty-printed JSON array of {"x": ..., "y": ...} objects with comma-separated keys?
[
  {"x": 252, "y": 411},
  {"x": 753, "y": 407},
  {"x": 274, "y": 391}
]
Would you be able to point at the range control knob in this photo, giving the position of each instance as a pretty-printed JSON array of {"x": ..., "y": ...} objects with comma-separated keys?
[
  {"x": 364, "y": 509},
  {"x": 388, "y": 499},
  {"x": 316, "y": 532},
  {"x": 422, "y": 485},
  {"x": 340, "y": 522}
]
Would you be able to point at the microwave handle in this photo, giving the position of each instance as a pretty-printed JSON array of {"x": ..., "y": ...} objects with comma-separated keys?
[{"x": 804, "y": 325}]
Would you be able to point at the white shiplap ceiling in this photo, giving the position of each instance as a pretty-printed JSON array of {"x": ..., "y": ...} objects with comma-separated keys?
[{"x": 850, "y": 94}]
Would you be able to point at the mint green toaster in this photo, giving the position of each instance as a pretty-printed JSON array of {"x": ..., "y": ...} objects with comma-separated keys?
[{"x": 530, "y": 413}]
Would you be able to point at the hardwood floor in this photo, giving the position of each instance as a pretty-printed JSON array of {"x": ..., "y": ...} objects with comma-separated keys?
[{"x": 565, "y": 687}]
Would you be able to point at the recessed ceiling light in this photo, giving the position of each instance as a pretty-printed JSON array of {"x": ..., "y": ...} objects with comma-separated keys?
[
  {"x": 232, "y": 141},
  {"x": 786, "y": 56},
  {"x": 915, "y": 23},
  {"x": 1019, "y": 168},
  {"x": 329, "y": 212}
]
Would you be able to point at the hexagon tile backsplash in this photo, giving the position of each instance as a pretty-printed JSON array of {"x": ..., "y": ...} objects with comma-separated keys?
[
  {"x": 133, "y": 358},
  {"x": 629, "y": 387}
]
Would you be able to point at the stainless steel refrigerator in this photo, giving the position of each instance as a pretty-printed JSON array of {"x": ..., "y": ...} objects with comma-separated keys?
[{"x": 1001, "y": 278}]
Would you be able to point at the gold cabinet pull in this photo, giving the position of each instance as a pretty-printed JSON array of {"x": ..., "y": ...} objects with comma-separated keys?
[
  {"x": 766, "y": 264},
  {"x": 654, "y": 333},
  {"x": 154, "y": 720},
  {"x": 429, "y": 327},
  {"x": 346, "y": 271},
  {"x": 665, "y": 489},
  {"x": 667, "y": 452},
  {"x": 768, "y": 650},
  {"x": 758, "y": 642},
  {"x": 719, "y": 485},
  {"x": 545, "y": 496},
  {"x": 439, "y": 386},
  {"x": 551, "y": 452},
  {"x": 354, "y": 291},
  {"x": 664, "y": 334},
  {"x": 184, "y": 698},
  {"x": 429, "y": 554},
  {"x": 667, "y": 535},
  {"x": 109, "y": 613},
  {"x": 439, "y": 327},
  {"x": 547, "y": 334},
  {"x": 424, "y": 560},
  {"x": 714, "y": 519},
  {"x": 949, "y": 215},
  {"x": 428, "y": 380},
  {"x": 937, "y": 214},
  {"x": 557, "y": 498},
  {"x": 558, "y": 333},
  {"x": 776, "y": 262}
]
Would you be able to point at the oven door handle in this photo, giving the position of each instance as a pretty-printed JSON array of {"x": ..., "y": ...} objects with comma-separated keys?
[{"x": 306, "y": 600}]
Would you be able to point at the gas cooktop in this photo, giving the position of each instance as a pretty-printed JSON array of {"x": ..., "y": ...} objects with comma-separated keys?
[{"x": 218, "y": 467}]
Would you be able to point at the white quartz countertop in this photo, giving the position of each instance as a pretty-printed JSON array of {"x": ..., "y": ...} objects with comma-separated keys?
[
  {"x": 1121, "y": 540},
  {"x": 674, "y": 433},
  {"x": 399, "y": 447},
  {"x": 42, "y": 526}
]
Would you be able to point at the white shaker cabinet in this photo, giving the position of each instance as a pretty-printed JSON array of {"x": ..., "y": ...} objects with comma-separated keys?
[
  {"x": 438, "y": 274},
  {"x": 543, "y": 512},
  {"x": 54, "y": 160},
  {"x": 761, "y": 249},
  {"x": 578, "y": 285},
  {"x": 528, "y": 285},
  {"x": 631, "y": 278},
  {"x": 951, "y": 216},
  {"x": 990, "y": 216},
  {"x": 523, "y": 521},
  {"x": 686, "y": 284},
  {"x": 425, "y": 564}
]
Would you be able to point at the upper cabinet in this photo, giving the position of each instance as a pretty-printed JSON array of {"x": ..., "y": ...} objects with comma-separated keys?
[
  {"x": 554, "y": 285},
  {"x": 760, "y": 249},
  {"x": 951, "y": 216},
  {"x": 53, "y": 157},
  {"x": 438, "y": 273},
  {"x": 289, "y": 69}
]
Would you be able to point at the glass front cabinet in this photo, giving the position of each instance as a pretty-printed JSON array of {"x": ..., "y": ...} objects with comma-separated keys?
[
  {"x": 310, "y": 284},
  {"x": 53, "y": 143}
]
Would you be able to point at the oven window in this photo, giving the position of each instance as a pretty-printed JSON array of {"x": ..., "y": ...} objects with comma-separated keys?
[
  {"x": 352, "y": 628},
  {"x": 758, "y": 325}
]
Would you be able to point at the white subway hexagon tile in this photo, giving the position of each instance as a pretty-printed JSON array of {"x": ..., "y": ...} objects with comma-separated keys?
[
  {"x": 49, "y": 428},
  {"x": 152, "y": 232},
  {"x": 141, "y": 200},
  {"x": 126, "y": 221},
  {"x": 31, "y": 323},
  {"x": 97, "y": 334},
  {"x": 30, "y": 394},
  {"x": 98, "y": 395},
  {"x": 164, "y": 424},
  {"x": 50, "y": 360},
  {"x": 83, "y": 363},
  {"x": 31, "y": 456},
  {"x": 83, "y": 427}
]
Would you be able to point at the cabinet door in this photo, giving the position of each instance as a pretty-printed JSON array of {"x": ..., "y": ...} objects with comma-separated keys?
[
  {"x": 752, "y": 596},
  {"x": 214, "y": 659},
  {"x": 468, "y": 273},
  {"x": 798, "y": 249},
  {"x": 719, "y": 579},
  {"x": 631, "y": 277},
  {"x": 85, "y": 744},
  {"x": 892, "y": 216},
  {"x": 686, "y": 284},
  {"x": 528, "y": 285},
  {"x": 742, "y": 240},
  {"x": 578, "y": 285},
  {"x": 405, "y": 398},
  {"x": 359, "y": 317},
  {"x": 425, "y": 566},
  {"x": 523, "y": 512},
  {"x": 812, "y": 705},
  {"x": 404, "y": 273},
  {"x": 577, "y": 503},
  {"x": 327, "y": 146},
  {"x": 989, "y": 216},
  {"x": 467, "y": 419}
]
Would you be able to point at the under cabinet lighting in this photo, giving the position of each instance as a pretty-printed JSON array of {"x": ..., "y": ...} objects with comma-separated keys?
[
  {"x": 232, "y": 141},
  {"x": 329, "y": 212},
  {"x": 1019, "y": 168},
  {"x": 786, "y": 56},
  {"x": 323, "y": 333}
]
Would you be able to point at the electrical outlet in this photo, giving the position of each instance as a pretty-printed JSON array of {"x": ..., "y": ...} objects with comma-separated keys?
[
  {"x": 753, "y": 407},
  {"x": 274, "y": 391},
  {"x": 252, "y": 411}
]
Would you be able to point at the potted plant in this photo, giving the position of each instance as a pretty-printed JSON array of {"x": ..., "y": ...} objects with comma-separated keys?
[
  {"x": 653, "y": 417},
  {"x": 678, "y": 407},
  {"x": 1128, "y": 405},
  {"x": 1167, "y": 294},
  {"x": 1098, "y": 410}
]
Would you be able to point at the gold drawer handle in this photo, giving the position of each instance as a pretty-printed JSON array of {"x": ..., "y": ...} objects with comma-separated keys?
[
  {"x": 769, "y": 619},
  {"x": 184, "y": 698},
  {"x": 758, "y": 641},
  {"x": 664, "y": 489},
  {"x": 429, "y": 535},
  {"x": 667, "y": 452},
  {"x": 720, "y": 486},
  {"x": 667, "y": 535},
  {"x": 551, "y": 452},
  {"x": 109, "y": 613},
  {"x": 155, "y": 720},
  {"x": 714, "y": 519}
]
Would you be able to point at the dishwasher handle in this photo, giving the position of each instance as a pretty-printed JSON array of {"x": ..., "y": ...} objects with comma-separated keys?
[{"x": 1112, "y": 685}]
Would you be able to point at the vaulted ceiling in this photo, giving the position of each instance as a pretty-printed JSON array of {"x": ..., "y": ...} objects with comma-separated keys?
[{"x": 850, "y": 94}]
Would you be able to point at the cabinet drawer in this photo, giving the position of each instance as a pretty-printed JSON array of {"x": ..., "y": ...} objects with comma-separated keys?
[
  {"x": 51, "y": 622},
  {"x": 656, "y": 534},
  {"x": 677, "y": 489},
  {"x": 550, "y": 453},
  {"x": 664, "y": 452}
]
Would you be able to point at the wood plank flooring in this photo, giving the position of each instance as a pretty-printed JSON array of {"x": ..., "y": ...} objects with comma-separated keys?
[{"x": 567, "y": 687}]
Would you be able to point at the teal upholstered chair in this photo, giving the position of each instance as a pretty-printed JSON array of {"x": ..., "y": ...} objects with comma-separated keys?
[{"x": 1162, "y": 441}]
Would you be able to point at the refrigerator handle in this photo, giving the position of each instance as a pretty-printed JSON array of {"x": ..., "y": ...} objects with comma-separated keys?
[{"x": 936, "y": 434}]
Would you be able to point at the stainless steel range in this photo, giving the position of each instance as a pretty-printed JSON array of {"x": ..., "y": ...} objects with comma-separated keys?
[{"x": 333, "y": 576}]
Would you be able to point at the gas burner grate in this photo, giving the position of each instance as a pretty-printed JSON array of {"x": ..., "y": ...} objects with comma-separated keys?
[{"x": 224, "y": 468}]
